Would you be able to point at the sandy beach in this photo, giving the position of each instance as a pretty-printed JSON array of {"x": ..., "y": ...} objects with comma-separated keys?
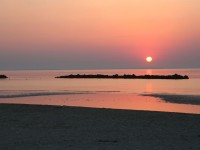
[{"x": 34, "y": 127}]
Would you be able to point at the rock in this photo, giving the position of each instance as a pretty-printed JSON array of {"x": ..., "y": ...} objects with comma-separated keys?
[
  {"x": 125, "y": 76},
  {"x": 3, "y": 77}
]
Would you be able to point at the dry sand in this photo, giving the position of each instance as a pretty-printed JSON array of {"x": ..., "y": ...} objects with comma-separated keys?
[{"x": 28, "y": 127}]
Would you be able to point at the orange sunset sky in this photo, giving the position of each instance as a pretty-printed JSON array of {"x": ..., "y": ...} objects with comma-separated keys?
[{"x": 99, "y": 34}]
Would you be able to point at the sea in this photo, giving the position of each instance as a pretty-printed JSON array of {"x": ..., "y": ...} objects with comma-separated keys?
[{"x": 40, "y": 87}]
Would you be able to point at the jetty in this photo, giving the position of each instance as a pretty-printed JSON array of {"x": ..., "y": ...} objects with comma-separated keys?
[{"x": 125, "y": 76}]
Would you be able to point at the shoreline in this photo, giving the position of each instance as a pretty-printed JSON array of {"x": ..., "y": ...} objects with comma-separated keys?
[
  {"x": 57, "y": 127},
  {"x": 188, "y": 104}
]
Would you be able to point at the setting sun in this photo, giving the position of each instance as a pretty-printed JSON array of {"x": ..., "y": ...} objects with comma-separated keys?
[{"x": 149, "y": 59}]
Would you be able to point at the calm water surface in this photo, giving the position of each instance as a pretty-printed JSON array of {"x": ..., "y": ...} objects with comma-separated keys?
[{"x": 24, "y": 86}]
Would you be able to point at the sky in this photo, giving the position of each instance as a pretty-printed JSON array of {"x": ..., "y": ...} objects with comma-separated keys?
[{"x": 99, "y": 34}]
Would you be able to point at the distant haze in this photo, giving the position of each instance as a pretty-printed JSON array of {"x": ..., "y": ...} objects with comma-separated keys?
[{"x": 99, "y": 34}]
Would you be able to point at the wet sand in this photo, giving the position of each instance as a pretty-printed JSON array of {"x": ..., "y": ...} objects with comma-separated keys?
[
  {"x": 34, "y": 127},
  {"x": 179, "y": 99}
]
